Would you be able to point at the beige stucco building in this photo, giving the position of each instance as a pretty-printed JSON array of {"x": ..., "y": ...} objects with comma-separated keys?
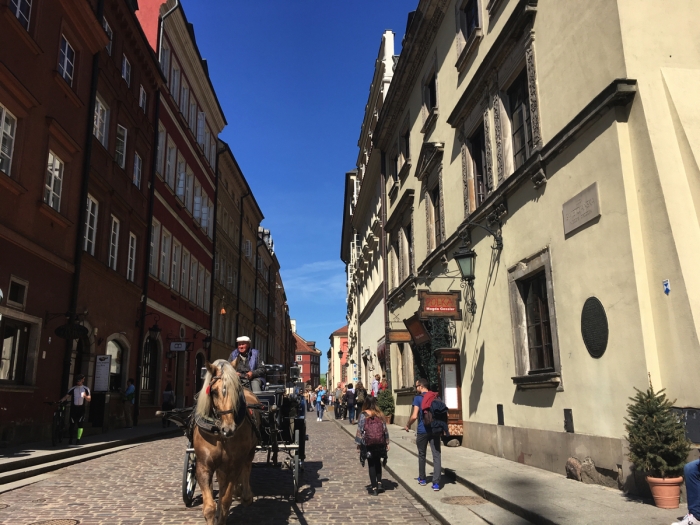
[{"x": 571, "y": 133}]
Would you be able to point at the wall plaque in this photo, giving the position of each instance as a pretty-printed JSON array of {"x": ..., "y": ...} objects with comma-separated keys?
[
  {"x": 439, "y": 304},
  {"x": 582, "y": 208},
  {"x": 594, "y": 327}
]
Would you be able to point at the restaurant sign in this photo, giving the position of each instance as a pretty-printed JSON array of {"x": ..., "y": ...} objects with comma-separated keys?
[
  {"x": 439, "y": 304},
  {"x": 417, "y": 330}
]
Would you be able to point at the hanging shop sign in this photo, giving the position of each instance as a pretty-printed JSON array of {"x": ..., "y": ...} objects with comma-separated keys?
[
  {"x": 71, "y": 331},
  {"x": 381, "y": 350},
  {"x": 439, "y": 304},
  {"x": 102, "y": 370},
  {"x": 178, "y": 346},
  {"x": 399, "y": 336},
  {"x": 417, "y": 330}
]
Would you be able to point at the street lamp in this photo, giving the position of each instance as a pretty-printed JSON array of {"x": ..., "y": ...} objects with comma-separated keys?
[
  {"x": 340, "y": 354},
  {"x": 154, "y": 331},
  {"x": 206, "y": 342},
  {"x": 466, "y": 259}
]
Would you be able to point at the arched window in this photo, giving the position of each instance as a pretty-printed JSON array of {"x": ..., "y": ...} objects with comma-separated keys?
[{"x": 114, "y": 349}]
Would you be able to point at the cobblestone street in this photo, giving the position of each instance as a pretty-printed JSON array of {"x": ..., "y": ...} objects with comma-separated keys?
[{"x": 143, "y": 486}]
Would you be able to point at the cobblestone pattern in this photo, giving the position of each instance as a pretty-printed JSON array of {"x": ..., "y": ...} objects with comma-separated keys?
[{"x": 143, "y": 486}]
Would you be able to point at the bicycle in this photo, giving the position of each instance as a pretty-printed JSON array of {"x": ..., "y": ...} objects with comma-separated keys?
[{"x": 58, "y": 423}]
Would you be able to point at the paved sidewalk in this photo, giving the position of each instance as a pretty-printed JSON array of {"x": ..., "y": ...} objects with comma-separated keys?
[
  {"x": 537, "y": 495},
  {"x": 20, "y": 463}
]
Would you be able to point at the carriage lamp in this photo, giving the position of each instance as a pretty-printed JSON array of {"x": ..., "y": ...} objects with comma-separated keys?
[
  {"x": 154, "y": 331},
  {"x": 340, "y": 354},
  {"x": 352, "y": 361},
  {"x": 465, "y": 261},
  {"x": 206, "y": 342}
]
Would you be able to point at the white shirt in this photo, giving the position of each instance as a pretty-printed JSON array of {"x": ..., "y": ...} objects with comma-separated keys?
[{"x": 78, "y": 399}]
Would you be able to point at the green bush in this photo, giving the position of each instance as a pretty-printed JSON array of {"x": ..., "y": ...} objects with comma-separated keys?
[
  {"x": 657, "y": 443},
  {"x": 386, "y": 402}
]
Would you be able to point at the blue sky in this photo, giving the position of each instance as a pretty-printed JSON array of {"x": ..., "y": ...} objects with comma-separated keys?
[{"x": 293, "y": 79}]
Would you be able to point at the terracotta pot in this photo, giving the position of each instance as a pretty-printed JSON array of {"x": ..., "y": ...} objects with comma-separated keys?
[
  {"x": 666, "y": 491},
  {"x": 387, "y": 419}
]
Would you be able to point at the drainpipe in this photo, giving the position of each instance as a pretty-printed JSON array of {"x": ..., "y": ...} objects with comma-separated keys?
[
  {"x": 213, "y": 262},
  {"x": 258, "y": 243},
  {"x": 240, "y": 261},
  {"x": 82, "y": 208},
  {"x": 385, "y": 271}
]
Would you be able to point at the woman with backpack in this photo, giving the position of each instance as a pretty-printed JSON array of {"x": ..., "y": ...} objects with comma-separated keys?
[
  {"x": 372, "y": 440},
  {"x": 360, "y": 396}
]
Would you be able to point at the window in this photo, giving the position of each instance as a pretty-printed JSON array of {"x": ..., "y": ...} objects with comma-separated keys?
[
  {"x": 8, "y": 127},
  {"x": 143, "y": 98},
  {"x": 248, "y": 248},
  {"x": 153, "y": 254},
  {"x": 201, "y": 123},
  {"x": 189, "y": 189},
  {"x": 478, "y": 161},
  {"x": 184, "y": 273},
  {"x": 194, "y": 266},
  {"x": 200, "y": 287},
  {"x": 110, "y": 35},
  {"x": 405, "y": 145},
  {"x": 165, "y": 61},
  {"x": 197, "y": 211},
  {"x": 114, "y": 243},
  {"x": 434, "y": 216},
  {"x": 175, "y": 83},
  {"x": 181, "y": 179},
  {"x": 193, "y": 115},
  {"x": 407, "y": 254},
  {"x": 131, "y": 263},
  {"x": 126, "y": 70},
  {"x": 115, "y": 365},
  {"x": 101, "y": 121},
  {"x": 161, "y": 150},
  {"x": 22, "y": 9},
  {"x": 185, "y": 98},
  {"x": 205, "y": 211},
  {"x": 54, "y": 182},
  {"x": 430, "y": 94},
  {"x": 138, "y": 164},
  {"x": 299, "y": 358},
  {"x": 170, "y": 165},
  {"x": 66, "y": 61},
  {"x": 15, "y": 350},
  {"x": 207, "y": 290},
  {"x": 469, "y": 18},
  {"x": 534, "y": 320},
  {"x": 90, "y": 225},
  {"x": 120, "y": 150},
  {"x": 175, "y": 273},
  {"x": 519, "y": 102},
  {"x": 212, "y": 154},
  {"x": 207, "y": 142},
  {"x": 165, "y": 257},
  {"x": 17, "y": 296}
]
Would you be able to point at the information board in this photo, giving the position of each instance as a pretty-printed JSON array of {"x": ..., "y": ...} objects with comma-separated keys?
[{"x": 102, "y": 365}]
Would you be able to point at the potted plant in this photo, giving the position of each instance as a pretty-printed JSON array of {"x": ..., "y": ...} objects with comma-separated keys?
[
  {"x": 658, "y": 447},
  {"x": 385, "y": 400}
]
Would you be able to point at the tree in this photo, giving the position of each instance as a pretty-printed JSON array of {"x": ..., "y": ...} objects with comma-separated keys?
[{"x": 657, "y": 443}]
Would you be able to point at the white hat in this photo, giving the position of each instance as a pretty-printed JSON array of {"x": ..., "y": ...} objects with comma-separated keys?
[{"x": 243, "y": 339}]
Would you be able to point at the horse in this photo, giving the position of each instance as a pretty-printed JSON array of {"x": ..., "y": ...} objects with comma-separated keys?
[{"x": 230, "y": 451}]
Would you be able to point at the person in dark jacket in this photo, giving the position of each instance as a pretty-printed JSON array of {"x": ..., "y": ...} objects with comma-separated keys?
[
  {"x": 249, "y": 365},
  {"x": 375, "y": 453}
]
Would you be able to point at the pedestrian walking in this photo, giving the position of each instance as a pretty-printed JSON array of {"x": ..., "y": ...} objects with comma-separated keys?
[
  {"x": 168, "y": 402},
  {"x": 344, "y": 404},
  {"x": 375, "y": 385},
  {"x": 321, "y": 401},
  {"x": 129, "y": 397},
  {"x": 79, "y": 396},
  {"x": 360, "y": 396},
  {"x": 424, "y": 437},
  {"x": 337, "y": 397},
  {"x": 312, "y": 398},
  {"x": 350, "y": 402},
  {"x": 372, "y": 439},
  {"x": 692, "y": 489},
  {"x": 384, "y": 384}
]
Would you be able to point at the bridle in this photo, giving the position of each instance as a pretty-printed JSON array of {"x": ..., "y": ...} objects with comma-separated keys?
[{"x": 218, "y": 413}]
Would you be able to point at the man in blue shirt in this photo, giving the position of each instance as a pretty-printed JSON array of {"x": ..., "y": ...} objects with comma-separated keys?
[
  {"x": 249, "y": 367},
  {"x": 425, "y": 436}
]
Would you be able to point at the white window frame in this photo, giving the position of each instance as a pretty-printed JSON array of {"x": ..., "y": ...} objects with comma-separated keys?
[
  {"x": 131, "y": 261},
  {"x": 175, "y": 265},
  {"x": 23, "y": 18},
  {"x": 181, "y": 178},
  {"x": 184, "y": 98},
  {"x": 160, "y": 159},
  {"x": 143, "y": 98},
  {"x": 54, "y": 181},
  {"x": 110, "y": 34},
  {"x": 126, "y": 70},
  {"x": 185, "y": 273},
  {"x": 189, "y": 190},
  {"x": 165, "y": 61},
  {"x": 66, "y": 60},
  {"x": 175, "y": 83},
  {"x": 192, "y": 120},
  {"x": 138, "y": 168},
  {"x": 154, "y": 254},
  {"x": 120, "y": 146},
  {"x": 114, "y": 243},
  {"x": 101, "y": 120},
  {"x": 165, "y": 245},
  {"x": 200, "y": 286},
  {"x": 93, "y": 208},
  {"x": 201, "y": 124},
  {"x": 8, "y": 131},
  {"x": 170, "y": 164},
  {"x": 194, "y": 266},
  {"x": 197, "y": 206}
]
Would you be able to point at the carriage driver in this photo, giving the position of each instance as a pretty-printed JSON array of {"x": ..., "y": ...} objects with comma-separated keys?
[{"x": 249, "y": 367}]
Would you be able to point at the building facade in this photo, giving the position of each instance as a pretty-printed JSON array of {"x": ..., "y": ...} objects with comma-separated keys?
[
  {"x": 308, "y": 359},
  {"x": 338, "y": 358},
  {"x": 558, "y": 152}
]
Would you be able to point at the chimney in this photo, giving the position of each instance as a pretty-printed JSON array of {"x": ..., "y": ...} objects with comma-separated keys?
[{"x": 293, "y": 322}]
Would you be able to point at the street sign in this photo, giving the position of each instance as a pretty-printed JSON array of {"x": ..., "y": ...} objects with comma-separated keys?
[
  {"x": 178, "y": 346},
  {"x": 102, "y": 368}
]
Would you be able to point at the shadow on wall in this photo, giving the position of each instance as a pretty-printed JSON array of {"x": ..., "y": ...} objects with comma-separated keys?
[
  {"x": 541, "y": 397},
  {"x": 477, "y": 379}
]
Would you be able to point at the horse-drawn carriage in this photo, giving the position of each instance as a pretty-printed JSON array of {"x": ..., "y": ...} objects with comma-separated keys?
[{"x": 219, "y": 414}]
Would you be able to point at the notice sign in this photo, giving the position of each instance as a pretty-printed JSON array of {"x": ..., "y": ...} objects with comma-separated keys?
[
  {"x": 102, "y": 365},
  {"x": 178, "y": 346},
  {"x": 439, "y": 304},
  {"x": 582, "y": 208},
  {"x": 449, "y": 374}
]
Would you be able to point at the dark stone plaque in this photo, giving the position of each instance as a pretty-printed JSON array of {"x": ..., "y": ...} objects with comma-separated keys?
[{"x": 594, "y": 327}]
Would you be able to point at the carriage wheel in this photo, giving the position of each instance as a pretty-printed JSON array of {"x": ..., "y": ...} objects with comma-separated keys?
[
  {"x": 189, "y": 480},
  {"x": 297, "y": 471}
]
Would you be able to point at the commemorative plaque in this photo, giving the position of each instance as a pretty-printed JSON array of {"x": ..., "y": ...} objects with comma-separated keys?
[
  {"x": 582, "y": 208},
  {"x": 594, "y": 327}
]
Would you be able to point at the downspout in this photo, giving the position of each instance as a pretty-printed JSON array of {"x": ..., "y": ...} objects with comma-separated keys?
[
  {"x": 258, "y": 243},
  {"x": 213, "y": 262},
  {"x": 240, "y": 261},
  {"x": 82, "y": 210},
  {"x": 385, "y": 271}
]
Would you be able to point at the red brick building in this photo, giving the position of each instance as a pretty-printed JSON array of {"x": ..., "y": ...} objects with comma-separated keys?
[{"x": 308, "y": 358}]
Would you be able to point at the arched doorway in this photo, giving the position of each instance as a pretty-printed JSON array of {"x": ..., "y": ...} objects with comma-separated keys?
[
  {"x": 115, "y": 350},
  {"x": 149, "y": 372}
]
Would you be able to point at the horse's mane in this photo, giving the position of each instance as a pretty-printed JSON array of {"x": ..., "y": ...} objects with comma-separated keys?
[{"x": 230, "y": 382}]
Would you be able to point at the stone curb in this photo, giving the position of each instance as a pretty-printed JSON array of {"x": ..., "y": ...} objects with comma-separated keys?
[{"x": 13, "y": 471}]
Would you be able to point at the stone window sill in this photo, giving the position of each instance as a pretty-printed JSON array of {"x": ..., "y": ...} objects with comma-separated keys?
[
  {"x": 54, "y": 215},
  {"x": 403, "y": 172},
  {"x": 432, "y": 117},
  {"x": 19, "y": 29},
  {"x": 544, "y": 380},
  {"x": 11, "y": 185},
  {"x": 469, "y": 47},
  {"x": 67, "y": 90}
]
